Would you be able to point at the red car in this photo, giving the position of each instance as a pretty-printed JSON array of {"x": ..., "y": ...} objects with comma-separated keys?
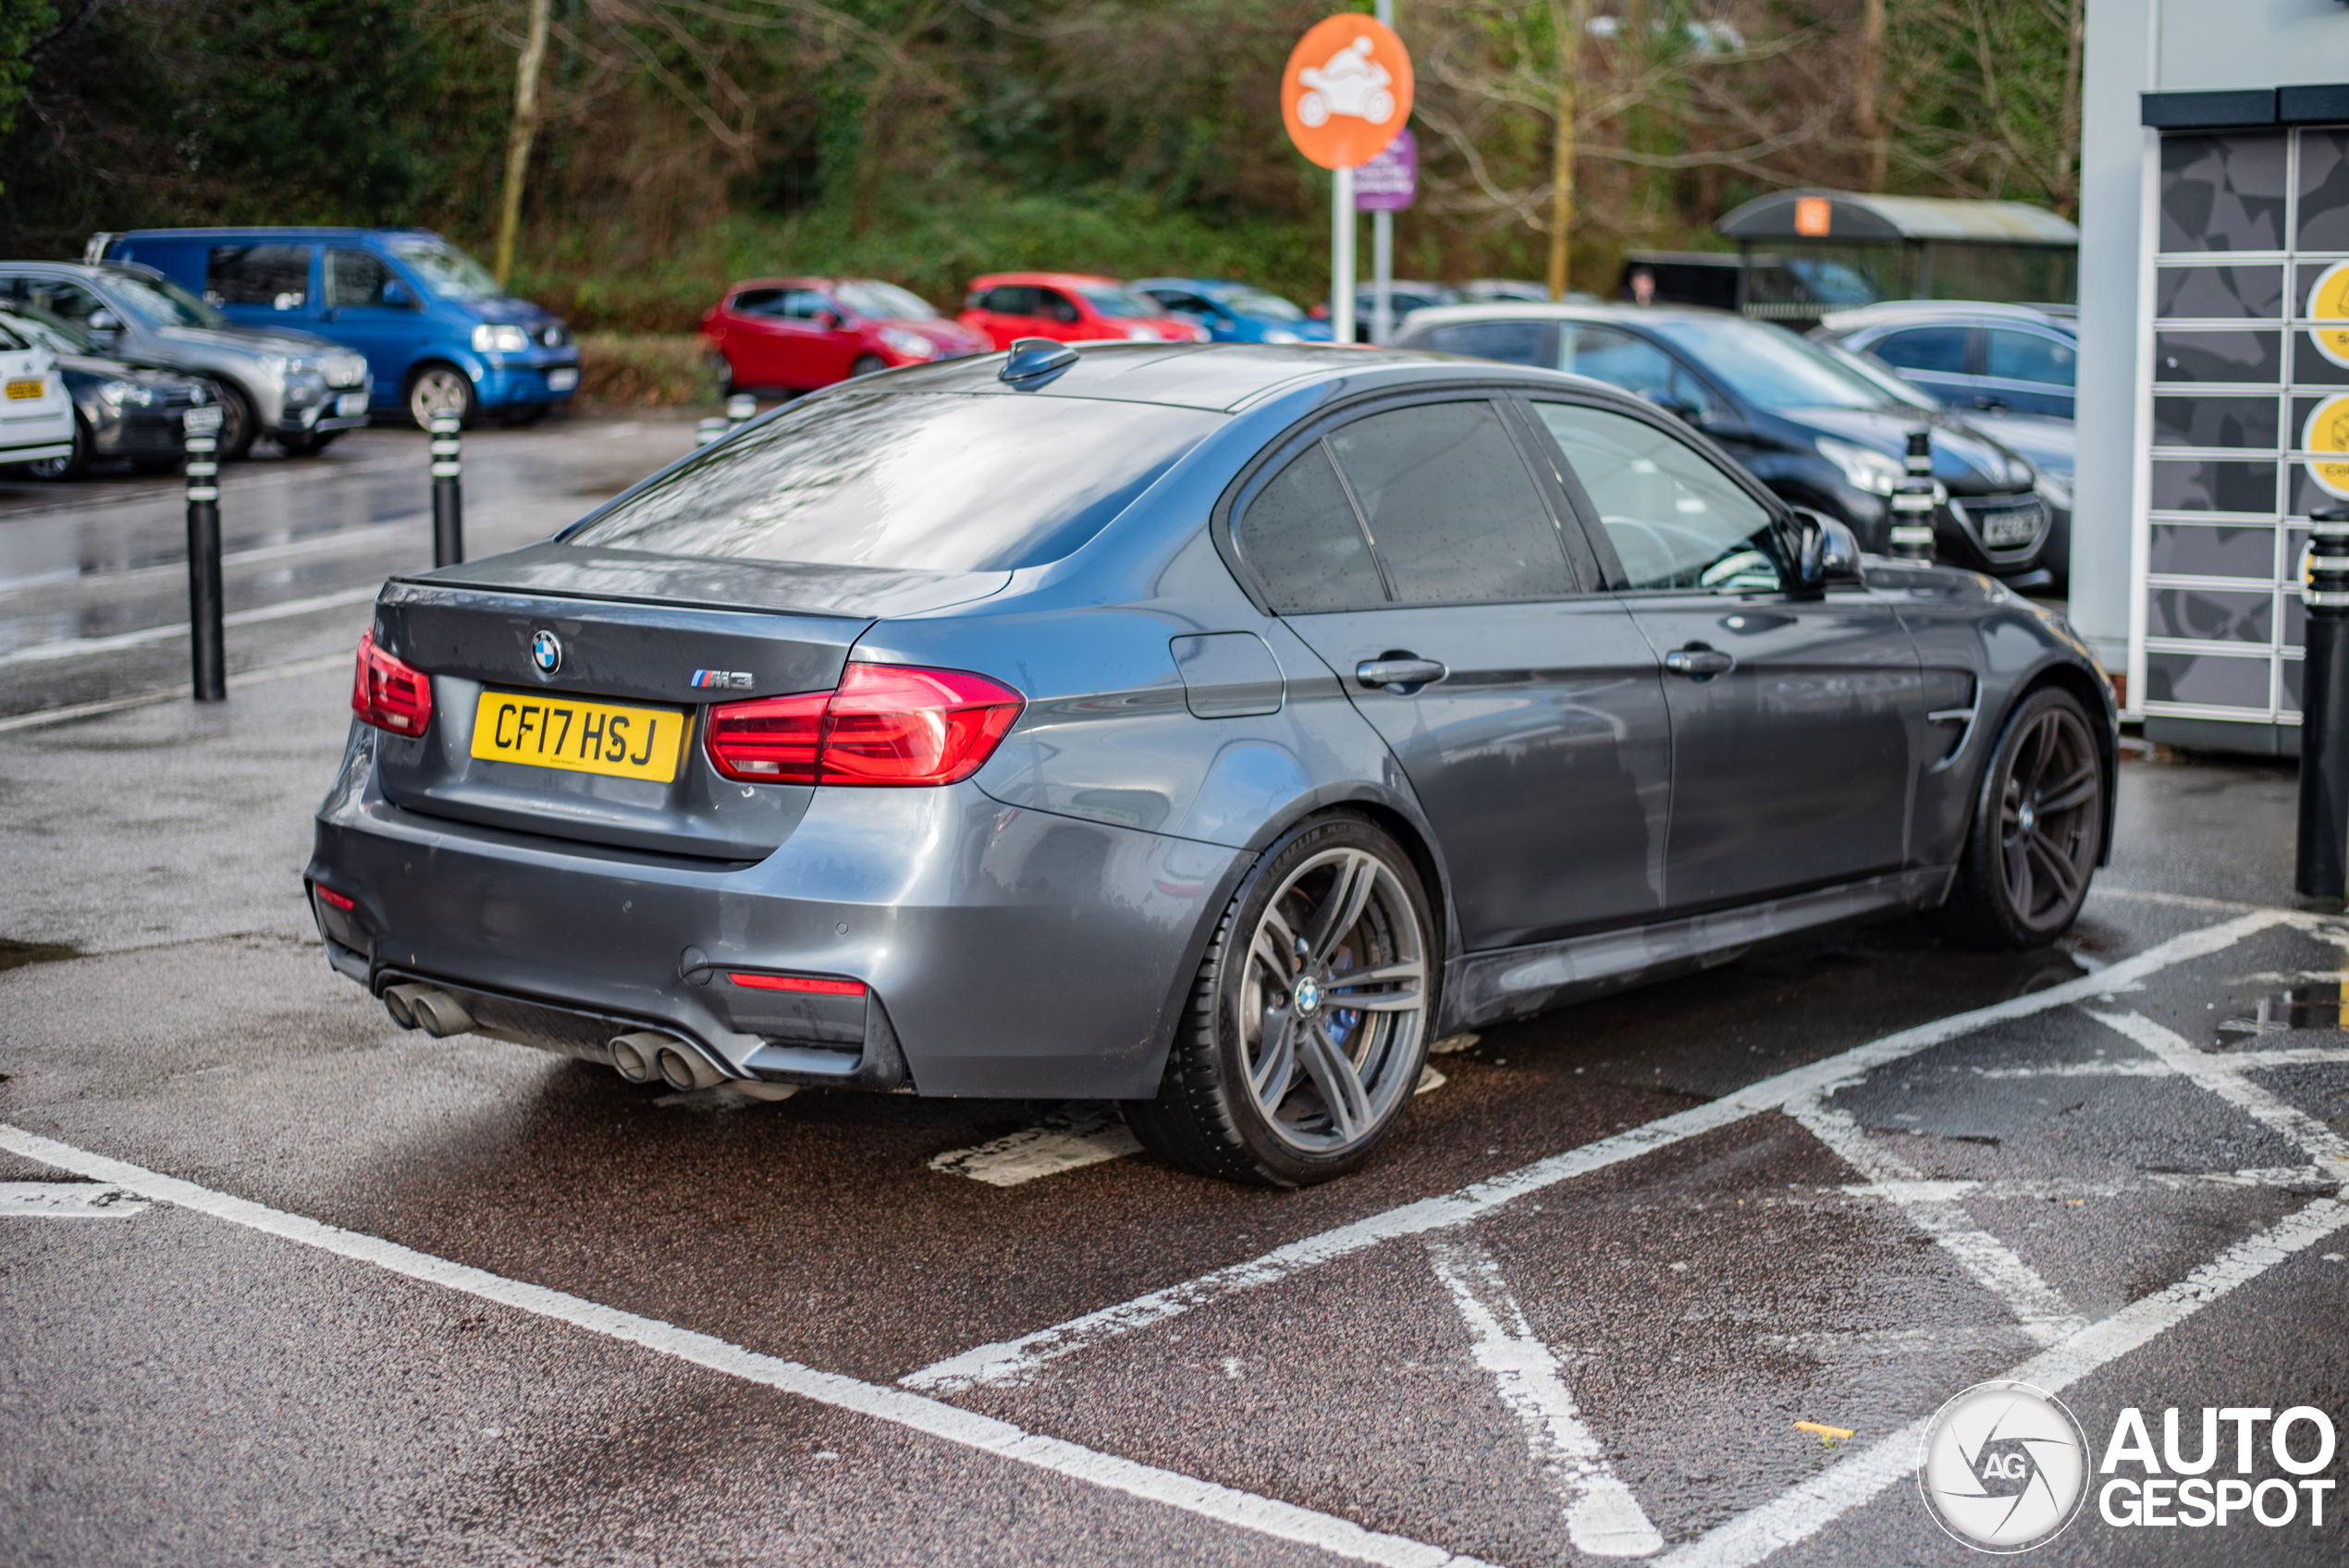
[
  {"x": 1070, "y": 307},
  {"x": 801, "y": 332}
]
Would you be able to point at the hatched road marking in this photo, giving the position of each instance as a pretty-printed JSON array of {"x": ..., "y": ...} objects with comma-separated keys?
[{"x": 1067, "y": 1139}]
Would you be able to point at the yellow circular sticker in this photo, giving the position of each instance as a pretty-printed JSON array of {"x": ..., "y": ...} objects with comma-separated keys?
[
  {"x": 2327, "y": 431},
  {"x": 2328, "y": 301}
]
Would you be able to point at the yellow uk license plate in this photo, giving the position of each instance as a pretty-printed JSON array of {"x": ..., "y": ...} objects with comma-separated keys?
[
  {"x": 546, "y": 731},
  {"x": 24, "y": 391}
]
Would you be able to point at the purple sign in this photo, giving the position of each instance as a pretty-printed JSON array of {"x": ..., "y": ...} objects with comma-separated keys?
[{"x": 1388, "y": 182}]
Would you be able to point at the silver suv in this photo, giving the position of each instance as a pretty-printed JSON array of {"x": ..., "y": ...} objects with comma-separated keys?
[{"x": 294, "y": 388}]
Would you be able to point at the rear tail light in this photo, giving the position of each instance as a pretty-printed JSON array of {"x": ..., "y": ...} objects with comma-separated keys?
[
  {"x": 806, "y": 985},
  {"x": 388, "y": 693},
  {"x": 884, "y": 724}
]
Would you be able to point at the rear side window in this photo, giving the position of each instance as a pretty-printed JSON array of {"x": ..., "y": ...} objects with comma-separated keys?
[
  {"x": 1451, "y": 508},
  {"x": 756, "y": 303},
  {"x": 274, "y": 275},
  {"x": 1301, "y": 536},
  {"x": 2026, "y": 356},
  {"x": 1512, "y": 342},
  {"x": 1938, "y": 349},
  {"x": 1008, "y": 299},
  {"x": 1675, "y": 520},
  {"x": 922, "y": 482}
]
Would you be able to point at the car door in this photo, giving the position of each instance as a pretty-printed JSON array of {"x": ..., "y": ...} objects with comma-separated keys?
[
  {"x": 2030, "y": 372},
  {"x": 1942, "y": 359},
  {"x": 358, "y": 314},
  {"x": 1416, "y": 553},
  {"x": 1797, "y": 724},
  {"x": 1058, "y": 316},
  {"x": 262, "y": 284},
  {"x": 1004, "y": 312}
]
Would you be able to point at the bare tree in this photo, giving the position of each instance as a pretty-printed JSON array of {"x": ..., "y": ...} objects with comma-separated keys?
[{"x": 526, "y": 69}]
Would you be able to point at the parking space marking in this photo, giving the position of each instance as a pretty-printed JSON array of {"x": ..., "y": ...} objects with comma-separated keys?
[
  {"x": 1014, "y": 1360},
  {"x": 1602, "y": 1518},
  {"x": 2224, "y": 1076},
  {"x": 1067, "y": 1139},
  {"x": 81, "y": 647},
  {"x": 67, "y": 1200},
  {"x": 1804, "y": 1511},
  {"x": 1246, "y": 1511},
  {"x": 2041, "y": 1311}
]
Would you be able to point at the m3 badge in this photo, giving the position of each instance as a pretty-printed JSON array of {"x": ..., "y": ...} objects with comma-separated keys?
[{"x": 721, "y": 680}]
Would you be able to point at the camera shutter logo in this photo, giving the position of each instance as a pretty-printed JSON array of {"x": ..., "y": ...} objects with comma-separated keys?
[
  {"x": 546, "y": 652},
  {"x": 2005, "y": 1467}
]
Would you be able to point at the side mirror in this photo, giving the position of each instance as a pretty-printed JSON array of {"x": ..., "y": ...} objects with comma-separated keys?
[
  {"x": 1825, "y": 553},
  {"x": 397, "y": 296},
  {"x": 104, "y": 321},
  {"x": 1673, "y": 406}
]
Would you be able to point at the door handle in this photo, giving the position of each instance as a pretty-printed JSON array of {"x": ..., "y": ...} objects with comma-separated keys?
[
  {"x": 1698, "y": 662},
  {"x": 1399, "y": 670}
]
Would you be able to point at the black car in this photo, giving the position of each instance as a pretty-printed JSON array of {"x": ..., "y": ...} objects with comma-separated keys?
[
  {"x": 120, "y": 411},
  {"x": 1801, "y": 419}
]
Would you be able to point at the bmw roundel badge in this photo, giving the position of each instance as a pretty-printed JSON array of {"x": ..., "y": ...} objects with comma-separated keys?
[{"x": 546, "y": 652}]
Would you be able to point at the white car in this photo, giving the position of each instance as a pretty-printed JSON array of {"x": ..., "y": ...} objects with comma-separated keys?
[{"x": 36, "y": 414}]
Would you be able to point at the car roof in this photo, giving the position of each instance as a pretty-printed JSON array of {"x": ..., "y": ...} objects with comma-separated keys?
[
  {"x": 86, "y": 270},
  {"x": 275, "y": 232},
  {"x": 1220, "y": 376},
  {"x": 1563, "y": 310},
  {"x": 1889, "y": 313},
  {"x": 1057, "y": 279}
]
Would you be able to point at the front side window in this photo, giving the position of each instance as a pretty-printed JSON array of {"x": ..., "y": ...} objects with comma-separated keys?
[
  {"x": 1053, "y": 305},
  {"x": 920, "y": 482},
  {"x": 1119, "y": 304},
  {"x": 159, "y": 302},
  {"x": 67, "y": 302},
  {"x": 276, "y": 277},
  {"x": 1450, "y": 506},
  {"x": 756, "y": 303},
  {"x": 2026, "y": 356},
  {"x": 1306, "y": 544},
  {"x": 805, "y": 304},
  {"x": 447, "y": 271},
  {"x": 1769, "y": 366},
  {"x": 1675, "y": 520},
  {"x": 1939, "y": 350},
  {"x": 884, "y": 301},
  {"x": 355, "y": 278},
  {"x": 1622, "y": 359}
]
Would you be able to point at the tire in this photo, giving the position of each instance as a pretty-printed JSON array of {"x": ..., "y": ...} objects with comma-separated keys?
[
  {"x": 239, "y": 424},
  {"x": 1243, "y": 1096},
  {"x": 868, "y": 364},
  {"x": 74, "y": 464},
  {"x": 722, "y": 371},
  {"x": 308, "y": 444},
  {"x": 2038, "y": 827},
  {"x": 438, "y": 387}
]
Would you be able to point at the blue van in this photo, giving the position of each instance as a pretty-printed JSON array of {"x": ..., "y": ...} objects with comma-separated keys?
[{"x": 439, "y": 333}]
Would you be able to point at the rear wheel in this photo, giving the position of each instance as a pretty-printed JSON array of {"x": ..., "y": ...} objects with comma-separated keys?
[
  {"x": 2038, "y": 827},
  {"x": 440, "y": 389},
  {"x": 1308, "y": 1020}
]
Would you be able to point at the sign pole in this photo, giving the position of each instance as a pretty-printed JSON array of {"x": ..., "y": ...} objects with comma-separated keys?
[
  {"x": 1383, "y": 241},
  {"x": 1342, "y": 255}
]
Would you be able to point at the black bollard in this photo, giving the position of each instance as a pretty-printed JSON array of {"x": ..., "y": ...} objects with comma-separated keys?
[
  {"x": 448, "y": 491},
  {"x": 207, "y": 641},
  {"x": 1913, "y": 502},
  {"x": 2323, "y": 870}
]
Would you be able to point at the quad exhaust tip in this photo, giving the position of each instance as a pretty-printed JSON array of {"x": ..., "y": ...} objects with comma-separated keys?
[
  {"x": 428, "y": 1008},
  {"x": 634, "y": 1056}
]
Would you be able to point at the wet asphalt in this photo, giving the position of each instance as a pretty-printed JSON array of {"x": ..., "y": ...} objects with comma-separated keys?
[{"x": 178, "y": 1389}]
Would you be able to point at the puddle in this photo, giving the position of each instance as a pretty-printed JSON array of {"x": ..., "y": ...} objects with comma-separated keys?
[{"x": 2314, "y": 1005}]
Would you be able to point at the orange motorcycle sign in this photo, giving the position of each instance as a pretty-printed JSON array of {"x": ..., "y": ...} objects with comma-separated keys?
[{"x": 1347, "y": 90}]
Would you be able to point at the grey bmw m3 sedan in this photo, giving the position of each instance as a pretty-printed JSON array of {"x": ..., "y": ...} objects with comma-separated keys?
[{"x": 1206, "y": 728}]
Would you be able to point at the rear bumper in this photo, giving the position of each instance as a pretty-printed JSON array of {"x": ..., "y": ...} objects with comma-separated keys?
[{"x": 1008, "y": 953}]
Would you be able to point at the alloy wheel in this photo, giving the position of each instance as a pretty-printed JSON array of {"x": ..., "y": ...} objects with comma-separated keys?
[
  {"x": 439, "y": 391},
  {"x": 1333, "y": 1002},
  {"x": 2049, "y": 808}
]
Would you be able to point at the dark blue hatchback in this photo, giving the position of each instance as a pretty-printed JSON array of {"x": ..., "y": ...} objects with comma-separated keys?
[{"x": 440, "y": 335}]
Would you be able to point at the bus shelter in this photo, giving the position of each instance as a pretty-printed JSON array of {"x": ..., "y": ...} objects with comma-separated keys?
[{"x": 1806, "y": 254}]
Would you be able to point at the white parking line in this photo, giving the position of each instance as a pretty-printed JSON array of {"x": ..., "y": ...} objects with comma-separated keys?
[
  {"x": 1803, "y": 1511},
  {"x": 1602, "y": 1519},
  {"x": 2043, "y": 1313},
  {"x": 1067, "y": 1139},
  {"x": 146, "y": 699},
  {"x": 1013, "y": 1360},
  {"x": 1245, "y": 1511},
  {"x": 2223, "y": 1077},
  {"x": 67, "y": 1200},
  {"x": 82, "y": 647}
]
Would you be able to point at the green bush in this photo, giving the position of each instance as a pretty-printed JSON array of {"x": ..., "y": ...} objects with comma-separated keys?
[{"x": 621, "y": 370}]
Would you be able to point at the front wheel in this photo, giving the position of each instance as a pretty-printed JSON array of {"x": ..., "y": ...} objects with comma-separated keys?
[
  {"x": 868, "y": 364},
  {"x": 2038, "y": 828},
  {"x": 441, "y": 389},
  {"x": 1308, "y": 1021}
]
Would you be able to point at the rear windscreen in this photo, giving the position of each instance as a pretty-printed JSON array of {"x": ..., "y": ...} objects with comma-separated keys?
[{"x": 922, "y": 482}]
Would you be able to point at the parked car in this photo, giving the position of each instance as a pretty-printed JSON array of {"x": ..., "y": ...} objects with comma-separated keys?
[
  {"x": 797, "y": 334},
  {"x": 1509, "y": 290},
  {"x": 1233, "y": 313},
  {"x": 1997, "y": 359},
  {"x": 294, "y": 388},
  {"x": 1207, "y": 729},
  {"x": 1404, "y": 294},
  {"x": 1068, "y": 308},
  {"x": 36, "y": 415},
  {"x": 440, "y": 334},
  {"x": 121, "y": 410},
  {"x": 1809, "y": 426}
]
